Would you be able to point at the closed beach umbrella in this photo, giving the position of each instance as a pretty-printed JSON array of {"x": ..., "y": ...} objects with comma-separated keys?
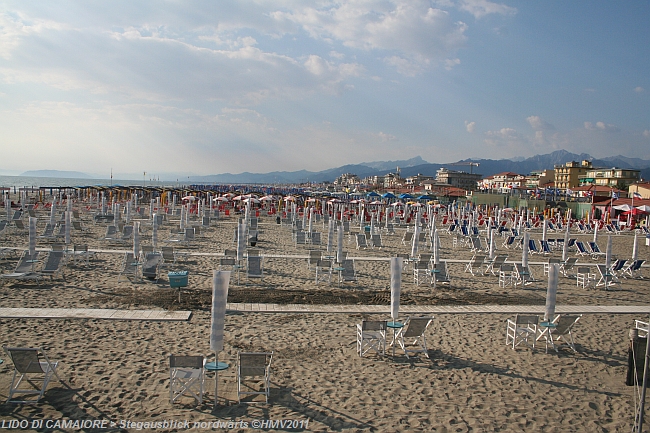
[
  {"x": 220, "y": 283},
  {"x": 32, "y": 236},
  {"x": 136, "y": 239},
  {"x": 595, "y": 231},
  {"x": 154, "y": 232},
  {"x": 151, "y": 204},
  {"x": 565, "y": 247},
  {"x": 117, "y": 212},
  {"x": 339, "y": 252},
  {"x": 311, "y": 219},
  {"x": 182, "y": 222},
  {"x": 128, "y": 211},
  {"x": 634, "y": 246},
  {"x": 53, "y": 213},
  {"x": 524, "y": 251},
  {"x": 241, "y": 241},
  {"x": 8, "y": 207},
  {"x": 544, "y": 228},
  {"x": 608, "y": 252},
  {"x": 395, "y": 286},
  {"x": 436, "y": 250},
  {"x": 414, "y": 245},
  {"x": 330, "y": 236},
  {"x": 104, "y": 206},
  {"x": 491, "y": 256},
  {"x": 551, "y": 292},
  {"x": 68, "y": 223}
]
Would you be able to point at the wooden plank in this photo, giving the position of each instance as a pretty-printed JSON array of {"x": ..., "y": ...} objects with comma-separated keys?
[{"x": 88, "y": 313}]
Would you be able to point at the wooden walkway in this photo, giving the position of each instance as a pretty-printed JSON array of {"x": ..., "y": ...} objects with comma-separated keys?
[
  {"x": 439, "y": 309},
  {"x": 94, "y": 313}
]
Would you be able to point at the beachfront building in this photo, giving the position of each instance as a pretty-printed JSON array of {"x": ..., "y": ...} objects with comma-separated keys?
[
  {"x": 639, "y": 190},
  {"x": 393, "y": 180},
  {"x": 347, "y": 179},
  {"x": 587, "y": 191},
  {"x": 540, "y": 179},
  {"x": 504, "y": 180},
  {"x": 611, "y": 177},
  {"x": 418, "y": 179},
  {"x": 458, "y": 179},
  {"x": 567, "y": 176},
  {"x": 375, "y": 181}
]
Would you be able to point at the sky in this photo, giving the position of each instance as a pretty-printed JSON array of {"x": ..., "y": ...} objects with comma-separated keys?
[{"x": 162, "y": 88}]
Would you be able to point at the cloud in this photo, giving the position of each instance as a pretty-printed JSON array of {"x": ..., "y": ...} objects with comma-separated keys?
[
  {"x": 413, "y": 30},
  {"x": 471, "y": 126},
  {"x": 504, "y": 137},
  {"x": 646, "y": 133},
  {"x": 481, "y": 8},
  {"x": 639, "y": 89},
  {"x": 383, "y": 137},
  {"x": 450, "y": 63},
  {"x": 601, "y": 126},
  {"x": 539, "y": 124}
]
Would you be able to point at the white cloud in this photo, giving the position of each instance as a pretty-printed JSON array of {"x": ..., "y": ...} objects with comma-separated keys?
[
  {"x": 539, "y": 124},
  {"x": 450, "y": 63},
  {"x": 383, "y": 137},
  {"x": 646, "y": 133},
  {"x": 416, "y": 32},
  {"x": 471, "y": 126},
  {"x": 481, "y": 8},
  {"x": 601, "y": 126},
  {"x": 639, "y": 89},
  {"x": 504, "y": 137}
]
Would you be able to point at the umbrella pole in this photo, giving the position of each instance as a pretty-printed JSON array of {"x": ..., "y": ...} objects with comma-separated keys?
[{"x": 216, "y": 378}]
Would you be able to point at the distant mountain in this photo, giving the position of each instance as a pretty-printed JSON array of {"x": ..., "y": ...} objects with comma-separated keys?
[
  {"x": 56, "y": 173},
  {"x": 417, "y": 165}
]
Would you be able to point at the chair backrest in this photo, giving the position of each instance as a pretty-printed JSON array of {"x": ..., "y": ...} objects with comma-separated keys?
[
  {"x": 526, "y": 320},
  {"x": 168, "y": 253},
  {"x": 227, "y": 261},
  {"x": 127, "y": 232},
  {"x": 417, "y": 326},
  {"x": 230, "y": 253},
  {"x": 254, "y": 266},
  {"x": 564, "y": 323},
  {"x": 373, "y": 325},
  {"x": 25, "y": 359},
  {"x": 80, "y": 248},
  {"x": 151, "y": 261},
  {"x": 58, "y": 247},
  {"x": 315, "y": 238},
  {"x": 110, "y": 231},
  {"x": 506, "y": 267},
  {"x": 637, "y": 265},
  {"x": 478, "y": 260},
  {"x": 594, "y": 247},
  {"x": 361, "y": 240},
  {"x": 619, "y": 265},
  {"x": 53, "y": 261},
  {"x": 570, "y": 262},
  {"x": 499, "y": 260},
  {"x": 186, "y": 361},
  {"x": 254, "y": 364},
  {"x": 584, "y": 269},
  {"x": 26, "y": 262},
  {"x": 581, "y": 247}
]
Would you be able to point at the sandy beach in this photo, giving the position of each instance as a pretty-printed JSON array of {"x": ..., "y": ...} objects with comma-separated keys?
[{"x": 472, "y": 381}]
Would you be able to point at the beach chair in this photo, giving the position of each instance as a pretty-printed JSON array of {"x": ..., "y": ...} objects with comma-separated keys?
[
  {"x": 111, "y": 234},
  {"x": 48, "y": 233},
  {"x": 227, "y": 261},
  {"x": 151, "y": 265},
  {"x": 523, "y": 275},
  {"x": 390, "y": 228},
  {"x": 551, "y": 261},
  {"x": 633, "y": 269},
  {"x": 371, "y": 335},
  {"x": 507, "y": 275},
  {"x": 509, "y": 242},
  {"x": 546, "y": 248},
  {"x": 561, "y": 334},
  {"x": 581, "y": 250},
  {"x": 186, "y": 377},
  {"x": 361, "y": 241},
  {"x": 24, "y": 269},
  {"x": 254, "y": 375},
  {"x": 522, "y": 330},
  {"x": 80, "y": 251},
  {"x": 584, "y": 277},
  {"x": 169, "y": 257},
  {"x": 300, "y": 238},
  {"x": 494, "y": 265},
  {"x": 532, "y": 247},
  {"x": 20, "y": 225},
  {"x": 475, "y": 264},
  {"x": 32, "y": 369},
  {"x": 420, "y": 271},
  {"x": 323, "y": 271},
  {"x": 348, "y": 273},
  {"x": 617, "y": 267},
  {"x": 254, "y": 267},
  {"x": 642, "y": 328},
  {"x": 407, "y": 238},
  {"x": 315, "y": 239},
  {"x": 76, "y": 226},
  {"x": 129, "y": 267},
  {"x": 375, "y": 241},
  {"x": 53, "y": 264},
  {"x": 313, "y": 258},
  {"x": 568, "y": 265},
  {"x": 607, "y": 278},
  {"x": 595, "y": 250},
  {"x": 476, "y": 244},
  {"x": 414, "y": 328},
  {"x": 440, "y": 273}
]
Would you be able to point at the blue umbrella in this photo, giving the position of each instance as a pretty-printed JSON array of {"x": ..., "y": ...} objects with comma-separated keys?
[
  {"x": 424, "y": 197},
  {"x": 405, "y": 196},
  {"x": 388, "y": 195},
  {"x": 373, "y": 194}
]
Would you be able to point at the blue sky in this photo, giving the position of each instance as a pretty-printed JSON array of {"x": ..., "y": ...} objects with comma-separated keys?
[{"x": 206, "y": 87}]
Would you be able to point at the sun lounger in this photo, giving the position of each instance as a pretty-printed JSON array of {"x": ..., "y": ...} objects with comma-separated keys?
[
  {"x": 33, "y": 370},
  {"x": 25, "y": 269}
]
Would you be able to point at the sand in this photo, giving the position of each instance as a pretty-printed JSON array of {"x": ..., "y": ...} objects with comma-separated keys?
[{"x": 119, "y": 370}]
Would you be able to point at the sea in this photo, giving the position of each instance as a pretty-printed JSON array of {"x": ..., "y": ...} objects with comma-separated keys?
[{"x": 15, "y": 182}]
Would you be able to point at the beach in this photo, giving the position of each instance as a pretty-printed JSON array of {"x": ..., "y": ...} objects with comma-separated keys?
[{"x": 471, "y": 381}]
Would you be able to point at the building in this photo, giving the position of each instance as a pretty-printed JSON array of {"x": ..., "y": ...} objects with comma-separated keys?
[
  {"x": 640, "y": 188},
  {"x": 418, "y": 179},
  {"x": 506, "y": 179},
  {"x": 541, "y": 179},
  {"x": 374, "y": 180},
  {"x": 459, "y": 179},
  {"x": 393, "y": 180},
  {"x": 610, "y": 177},
  {"x": 347, "y": 179},
  {"x": 568, "y": 175}
]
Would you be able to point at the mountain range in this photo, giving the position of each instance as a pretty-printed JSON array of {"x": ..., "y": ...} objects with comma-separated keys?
[{"x": 417, "y": 165}]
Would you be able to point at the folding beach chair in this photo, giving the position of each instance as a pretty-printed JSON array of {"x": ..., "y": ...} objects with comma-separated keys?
[
  {"x": 415, "y": 328},
  {"x": 315, "y": 239},
  {"x": 301, "y": 238},
  {"x": 509, "y": 242},
  {"x": 375, "y": 241},
  {"x": 254, "y": 375},
  {"x": 314, "y": 257},
  {"x": 523, "y": 274},
  {"x": 440, "y": 273},
  {"x": 568, "y": 265},
  {"x": 595, "y": 250},
  {"x": 475, "y": 264},
  {"x": 420, "y": 271},
  {"x": 31, "y": 367},
  {"x": 634, "y": 269},
  {"x": 407, "y": 238},
  {"x": 24, "y": 269},
  {"x": 129, "y": 267},
  {"x": 48, "y": 233},
  {"x": 546, "y": 248},
  {"x": 254, "y": 267},
  {"x": 151, "y": 265},
  {"x": 371, "y": 335},
  {"x": 507, "y": 275},
  {"x": 494, "y": 265},
  {"x": 581, "y": 249},
  {"x": 361, "y": 241},
  {"x": 522, "y": 330},
  {"x": 607, "y": 278},
  {"x": 584, "y": 277},
  {"x": 532, "y": 247},
  {"x": 323, "y": 271},
  {"x": 348, "y": 273},
  {"x": 53, "y": 264},
  {"x": 618, "y": 266},
  {"x": 564, "y": 324},
  {"x": 186, "y": 377}
]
